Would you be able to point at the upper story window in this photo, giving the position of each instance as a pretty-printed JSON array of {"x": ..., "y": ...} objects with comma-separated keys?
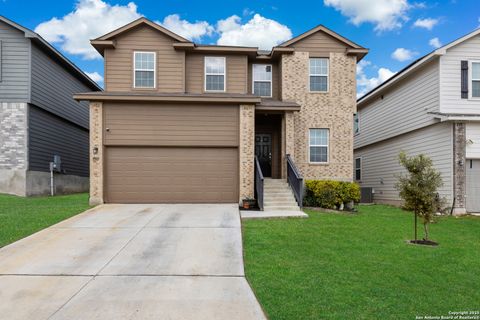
[
  {"x": 144, "y": 74},
  {"x": 262, "y": 80},
  {"x": 318, "y": 74},
  {"x": 215, "y": 74},
  {"x": 356, "y": 123},
  {"x": 318, "y": 145},
  {"x": 358, "y": 169},
  {"x": 476, "y": 79}
]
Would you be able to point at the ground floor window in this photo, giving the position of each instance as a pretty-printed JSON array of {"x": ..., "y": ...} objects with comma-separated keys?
[
  {"x": 358, "y": 169},
  {"x": 318, "y": 145}
]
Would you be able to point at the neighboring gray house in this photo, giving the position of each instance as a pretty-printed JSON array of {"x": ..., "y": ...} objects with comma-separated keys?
[
  {"x": 38, "y": 116},
  {"x": 433, "y": 107}
]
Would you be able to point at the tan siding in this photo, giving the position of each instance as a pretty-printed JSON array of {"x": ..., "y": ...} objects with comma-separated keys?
[
  {"x": 171, "y": 125},
  {"x": 275, "y": 77},
  {"x": 380, "y": 161},
  {"x": 119, "y": 61},
  {"x": 319, "y": 44},
  {"x": 403, "y": 108},
  {"x": 451, "y": 101},
  {"x": 473, "y": 138},
  {"x": 236, "y": 73},
  {"x": 171, "y": 175},
  {"x": 194, "y": 75}
]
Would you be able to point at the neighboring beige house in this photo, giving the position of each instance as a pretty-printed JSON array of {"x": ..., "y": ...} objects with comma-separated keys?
[
  {"x": 182, "y": 122},
  {"x": 433, "y": 107}
]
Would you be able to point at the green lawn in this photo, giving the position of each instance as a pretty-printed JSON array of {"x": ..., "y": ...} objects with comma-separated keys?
[
  {"x": 345, "y": 266},
  {"x": 20, "y": 217}
]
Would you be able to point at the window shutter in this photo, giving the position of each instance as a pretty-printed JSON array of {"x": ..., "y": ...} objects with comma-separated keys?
[{"x": 464, "y": 79}]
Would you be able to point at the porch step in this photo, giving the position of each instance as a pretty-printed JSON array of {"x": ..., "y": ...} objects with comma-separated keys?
[
  {"x": 280, "y": 203},
  {"x": 271, "y": 181},
  {"x": 281, "y": 208},
  {"x": 278, "y": 196}
]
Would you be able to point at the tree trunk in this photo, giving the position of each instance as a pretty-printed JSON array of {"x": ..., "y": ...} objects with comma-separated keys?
[
  {"x": 415, "y": 214},
  {"x": 425, "y": 228}
]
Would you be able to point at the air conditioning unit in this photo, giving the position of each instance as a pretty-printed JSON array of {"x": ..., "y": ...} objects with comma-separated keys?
[{"x": 366, "y": 194}]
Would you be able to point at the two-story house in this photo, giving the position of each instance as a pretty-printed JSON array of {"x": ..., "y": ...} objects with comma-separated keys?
[
  {"x": 432, "y": 106},
  {"x": 183, "y": 122},
  {"x": 39, "y": 119}
]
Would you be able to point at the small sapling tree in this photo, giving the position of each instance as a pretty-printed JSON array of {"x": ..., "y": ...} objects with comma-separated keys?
[{"x": 418, "y": 188}]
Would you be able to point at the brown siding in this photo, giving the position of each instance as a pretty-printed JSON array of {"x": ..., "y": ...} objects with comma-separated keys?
[
  {"x": 194, "y": 77},
  {"x": 119, "y": 61},
  {"x": 171, "y": 125},
  {"x": 275, "y": 77},
  {"x": 319, "y": 44},
  {"x": 236, "y": 73},
  {"x": 171, "y": 175}
]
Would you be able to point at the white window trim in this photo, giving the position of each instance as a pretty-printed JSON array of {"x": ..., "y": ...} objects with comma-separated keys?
[
  {"x": 470, "y": 79},
  {"x": 359, "y": 129},
  {"x": 361, "y": 169},
  {"x": 154, "y": 70},
  {"x": 214, "y": 74},
  {"x": 253, "y": 79},
  {"x": 319, "y": 75},
  {"x": 319, "y": 145}
]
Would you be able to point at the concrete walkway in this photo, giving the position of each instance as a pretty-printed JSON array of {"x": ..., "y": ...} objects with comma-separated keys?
[
  {"x": 267, "y": 214},
  {"x": 131, "y": 262}
]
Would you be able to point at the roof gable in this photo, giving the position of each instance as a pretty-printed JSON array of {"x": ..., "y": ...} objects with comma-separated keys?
[
  {"x": 38, "y": 40},
  {"x": 414, "y": 66},
  {"x": 138, "y": 22},
  {"x": 321, "y": 28}
]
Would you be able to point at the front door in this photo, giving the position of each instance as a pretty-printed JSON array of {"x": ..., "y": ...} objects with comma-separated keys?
[{"x": 263, "y": 150}]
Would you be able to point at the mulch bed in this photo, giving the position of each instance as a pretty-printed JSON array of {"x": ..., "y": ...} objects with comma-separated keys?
[{"x": 424, "y": 242}]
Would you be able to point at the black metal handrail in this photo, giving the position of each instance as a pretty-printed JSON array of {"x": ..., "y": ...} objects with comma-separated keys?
[
  {"x": 295, "y": 180},
  {"x": 258, "y": 183}
]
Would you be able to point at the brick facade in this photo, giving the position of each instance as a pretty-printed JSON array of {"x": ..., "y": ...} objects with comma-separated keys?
[
  {"x": 459, "y": 173},
  {"x": 333, "y": 110},
  {"x": 13, "y": 148},
  {"x": 13, "y": 135},
  {"x": 247, "y": 151},
  {"x": 96, "y": 153}
]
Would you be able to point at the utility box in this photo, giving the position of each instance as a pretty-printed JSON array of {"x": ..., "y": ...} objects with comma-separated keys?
[
  {"x": 56, "y": 165},
  {"x": 366, "y": 194}
]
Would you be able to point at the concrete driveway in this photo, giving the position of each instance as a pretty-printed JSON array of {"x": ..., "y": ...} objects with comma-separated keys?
[{"x": 131, "y": 262}]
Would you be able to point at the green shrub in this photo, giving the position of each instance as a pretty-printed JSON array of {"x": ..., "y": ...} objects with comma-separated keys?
[
  {"x": 350, "y": 191},
  {"x": 330, "y": 194}
]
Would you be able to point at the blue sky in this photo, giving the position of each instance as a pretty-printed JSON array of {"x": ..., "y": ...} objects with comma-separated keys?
[{"x": 395, "y": 31}]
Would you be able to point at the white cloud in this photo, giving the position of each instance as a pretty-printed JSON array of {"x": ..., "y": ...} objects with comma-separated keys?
[
  {"x": 419, "y": 5},
  {"x": 257, "y": 32},
  {"x": 435, "y": 42},
  {"x": 365, "y": 84},
  {"x": 247, "y": 12},
  {"x": 89, "y": 20},
  {"x": 427, "y": 23},
  {"x": 191, "y": 31},
  {"x": 402, "y": 54},
  {"x": 385, "y": 14},
  {"x": 95, "y": 76}
]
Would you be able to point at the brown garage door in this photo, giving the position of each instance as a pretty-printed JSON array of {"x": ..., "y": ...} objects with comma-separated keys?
[
  {"x": 172, "y": 175},
  {"x": 171, "y": 153}
]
